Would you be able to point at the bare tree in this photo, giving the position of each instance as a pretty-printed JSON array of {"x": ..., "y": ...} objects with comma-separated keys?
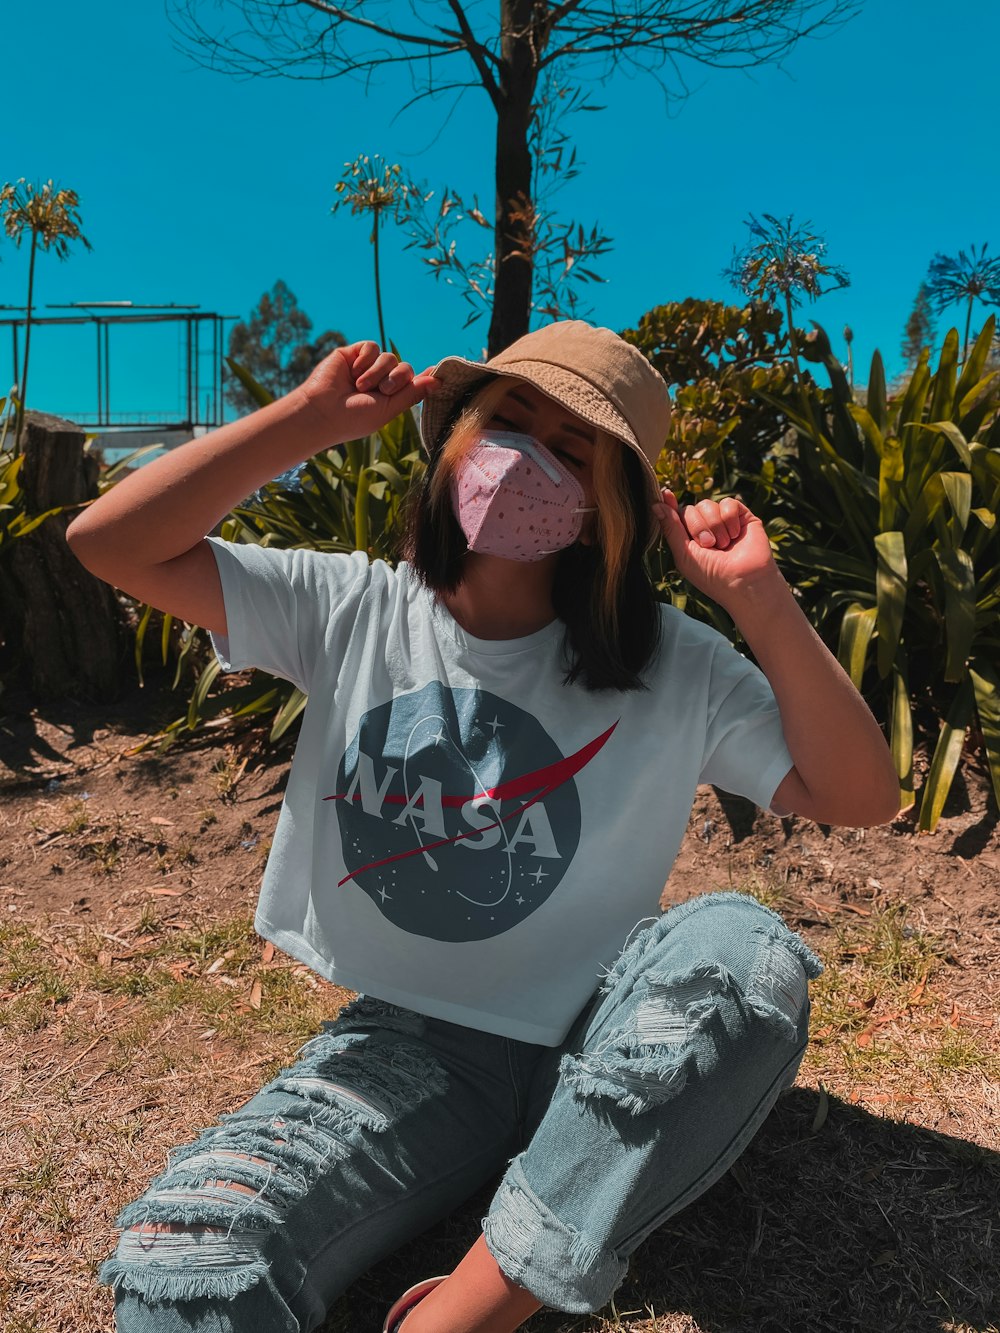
[{"x": 504, "y": 48}]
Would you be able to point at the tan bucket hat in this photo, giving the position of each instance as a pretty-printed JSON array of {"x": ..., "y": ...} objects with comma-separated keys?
[{"x": 591, "y": 371}]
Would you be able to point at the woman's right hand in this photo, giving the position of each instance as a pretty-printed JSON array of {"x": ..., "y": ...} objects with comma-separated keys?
[{"x": 357, "y": 389}]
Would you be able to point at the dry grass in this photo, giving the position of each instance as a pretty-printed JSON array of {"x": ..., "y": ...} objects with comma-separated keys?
[{"x": 848, "y": 1211}]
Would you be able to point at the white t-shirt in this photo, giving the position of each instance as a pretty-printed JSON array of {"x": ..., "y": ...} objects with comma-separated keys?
[{"x": 462, "y": 833}]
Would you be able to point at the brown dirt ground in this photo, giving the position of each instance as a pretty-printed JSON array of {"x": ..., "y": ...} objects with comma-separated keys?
[{"x": 92, "y": 833}]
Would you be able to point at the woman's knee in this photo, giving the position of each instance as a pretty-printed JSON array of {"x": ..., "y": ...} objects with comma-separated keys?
[
  {"x": 698, "y": 946},
  {"x": 719, "y": 983}
]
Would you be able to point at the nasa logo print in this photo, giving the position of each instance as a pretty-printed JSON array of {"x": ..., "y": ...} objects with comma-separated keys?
[{"x": 458, "y": 814}]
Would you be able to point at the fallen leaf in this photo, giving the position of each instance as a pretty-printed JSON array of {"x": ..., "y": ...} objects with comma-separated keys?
[
  {"x": 168, "y": 893},
  {"x": 864, "y": 1039},
  {"x": 158, "y": 819},
  {"x": 267, "y": 953},
  {"x": 255, "y": 994},
  {"x": 886, "y": 1019},
  {"x": 854, "y": 1096},
  {"x": 858, "y": 911},
  {"x": 821, "y": 906},
  {"x": 204, "y": 1036},
  {"x": 824, "y": 1031},
  {"x": 823, "y": 1106},
  {"x": 103, "y": 958},
  {"x": 918, "y": 990},
  {"x": 953, "y": 1020}
]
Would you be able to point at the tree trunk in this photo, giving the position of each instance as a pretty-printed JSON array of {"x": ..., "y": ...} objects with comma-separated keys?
[
  {"x": 62, "y": 631},
  {"x": 513, "y": 241}
]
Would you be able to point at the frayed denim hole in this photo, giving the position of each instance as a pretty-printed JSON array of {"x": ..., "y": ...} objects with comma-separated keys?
[
  {"x": 677, "y": 1030},
  {"x": 283, "y": 1183},
  {"x": 795, "y": 944},
  {"x": 631, "y": 1082},
  {"x": 635, "y": 948},
  {"x": 370, "y": 1087},
  {"x": 653, "y": 929},
  {"x": 201, "y": 1264},
  {"x": 779, "y": 990},
  {"x": 204, "y": 1206},
  {"x": 288, "y": 1142},
  {"x": 238, "y": 1134},
  {"x": 390, "y": 1017},
  {"x": 331, "y": 1038},
  {"x": 676, "y": 1005}
]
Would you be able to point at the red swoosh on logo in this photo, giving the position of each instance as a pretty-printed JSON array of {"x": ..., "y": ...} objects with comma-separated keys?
[{"x": 543, "y": 781}]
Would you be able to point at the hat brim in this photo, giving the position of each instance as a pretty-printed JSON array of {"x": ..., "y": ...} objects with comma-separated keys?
[{"x": 576, "y": 394}]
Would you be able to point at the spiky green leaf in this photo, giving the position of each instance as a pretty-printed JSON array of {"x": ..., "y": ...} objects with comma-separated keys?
[
  {"x": 856, "y": 630},
  {"x": 901, "y": 732},
  {"x": 959, "y": 609},
  {"x": 947, "y": 754},
  {"x": 890, "y": 595},
  {"x": 986, "y": 686}
]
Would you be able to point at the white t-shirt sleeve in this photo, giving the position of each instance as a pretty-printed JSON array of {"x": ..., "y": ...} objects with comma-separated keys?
[
  {"x": 745, "y": 750},
  {"x": 279, "y": 606}
]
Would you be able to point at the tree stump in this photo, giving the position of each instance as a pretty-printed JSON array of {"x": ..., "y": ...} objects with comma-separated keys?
[{"x": 62, "y": 630}]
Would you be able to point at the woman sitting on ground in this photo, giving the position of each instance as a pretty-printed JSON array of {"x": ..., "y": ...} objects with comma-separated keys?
[{"x": 494, "y": 772}]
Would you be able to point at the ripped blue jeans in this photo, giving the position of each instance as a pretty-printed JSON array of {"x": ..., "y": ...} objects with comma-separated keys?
[{"x": 390, "y": 1120}]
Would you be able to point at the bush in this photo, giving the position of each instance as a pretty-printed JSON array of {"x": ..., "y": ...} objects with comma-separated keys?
[
  {"x": 718, "y": 360},
  {"x": 885, "y": 522}
]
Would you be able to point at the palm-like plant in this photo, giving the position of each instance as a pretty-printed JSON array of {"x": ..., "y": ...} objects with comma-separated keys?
[
  {"x": 969, "y": 278},
  {"x": 885, "y": 519},
  {"x": 51, "y": 217},
  {"x": 783, "y": 260}
]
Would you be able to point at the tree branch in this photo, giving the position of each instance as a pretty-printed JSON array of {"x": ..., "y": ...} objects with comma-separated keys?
[
  {"x": 478, "y": 53},
  {"x": 336, "y": 12},
  {"x": 758, "y": 30}
]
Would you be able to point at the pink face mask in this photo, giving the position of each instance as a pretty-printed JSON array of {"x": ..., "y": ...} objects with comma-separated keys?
[{"x": 514, "y": 499}]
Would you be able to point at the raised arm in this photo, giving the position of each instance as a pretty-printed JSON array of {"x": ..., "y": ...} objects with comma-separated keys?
[
  {"x": 843, "y": 771},
  {"x": 147, "y": 534}
]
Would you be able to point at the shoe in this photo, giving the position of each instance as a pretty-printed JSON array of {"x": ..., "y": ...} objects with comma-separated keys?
[{"x": 408, "y": 1300}]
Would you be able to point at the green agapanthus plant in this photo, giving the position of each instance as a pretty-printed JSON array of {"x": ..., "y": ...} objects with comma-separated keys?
[
  {"x": 964, "y": 280},
  {"x": 783, "y": 262},
  {"x": 372, "y": 185}
]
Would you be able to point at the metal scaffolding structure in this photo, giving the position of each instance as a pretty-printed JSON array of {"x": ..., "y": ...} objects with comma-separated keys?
[{"x": 203, "y": 335}]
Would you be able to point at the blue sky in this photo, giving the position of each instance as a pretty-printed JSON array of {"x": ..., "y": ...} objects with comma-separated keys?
[{"x": 198, "y": 188}]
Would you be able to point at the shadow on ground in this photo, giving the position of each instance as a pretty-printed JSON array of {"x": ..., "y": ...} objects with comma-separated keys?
[{"x": 862, "y": 1225}]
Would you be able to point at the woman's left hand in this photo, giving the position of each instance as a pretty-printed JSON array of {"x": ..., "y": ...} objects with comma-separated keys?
[{"x": 718, "y": 545}]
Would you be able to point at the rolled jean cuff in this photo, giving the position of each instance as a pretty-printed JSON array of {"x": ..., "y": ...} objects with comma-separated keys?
[{"x": 555, "y": 1262}]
